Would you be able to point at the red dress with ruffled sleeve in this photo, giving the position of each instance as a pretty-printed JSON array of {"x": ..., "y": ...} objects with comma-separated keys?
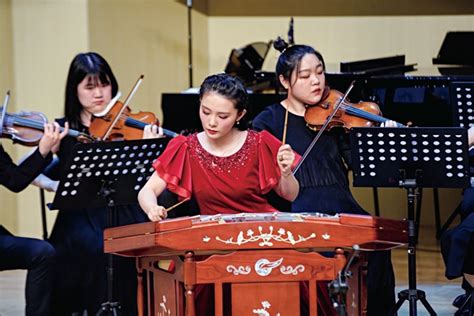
[
  {"x": 232, "y": 184},
  {"x": 222, "y": 185}
]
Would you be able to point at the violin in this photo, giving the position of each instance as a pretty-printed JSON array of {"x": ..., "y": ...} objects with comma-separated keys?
[
  {"x": 121, "y": 124},
  {"x": 349, "y": 115},
  {"x": 117, "y": 122},
  {"x": 26, "y": 127},
  {"x": 334, "y": 110}
]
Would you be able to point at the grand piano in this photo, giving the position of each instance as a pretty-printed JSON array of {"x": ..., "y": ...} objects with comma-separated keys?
[{"x": 424, "y": 96}]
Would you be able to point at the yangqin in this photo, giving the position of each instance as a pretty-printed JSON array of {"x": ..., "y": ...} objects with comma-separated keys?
[{"x": 262, "y": 257}]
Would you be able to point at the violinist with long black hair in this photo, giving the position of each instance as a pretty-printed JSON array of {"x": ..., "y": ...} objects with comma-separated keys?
[
  {"x": 36, "y": 256},
  {"x": 77, "y": 235},
  {"x": 323, "y": 177}
]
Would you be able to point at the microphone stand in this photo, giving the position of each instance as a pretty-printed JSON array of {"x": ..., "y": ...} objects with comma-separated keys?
[
  {"x": 338, "y": 288},
  {"x": 189, "y": 4}
]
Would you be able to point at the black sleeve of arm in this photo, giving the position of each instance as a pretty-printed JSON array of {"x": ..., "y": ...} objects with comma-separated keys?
[{"x": 16, "y": 178}]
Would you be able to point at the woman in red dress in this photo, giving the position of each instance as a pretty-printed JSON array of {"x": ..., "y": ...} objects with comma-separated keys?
[{"x": 226, "y": 168}]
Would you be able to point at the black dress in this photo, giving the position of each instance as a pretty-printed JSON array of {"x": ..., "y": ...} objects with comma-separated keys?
[
  {"x": 324, "y": 185},
  {"x": 78, "y": 238},
  {"x": 324, "y": 188}
]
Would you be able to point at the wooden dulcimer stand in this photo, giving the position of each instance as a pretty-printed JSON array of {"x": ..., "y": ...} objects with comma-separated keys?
[{"x": 262, "y": 258}]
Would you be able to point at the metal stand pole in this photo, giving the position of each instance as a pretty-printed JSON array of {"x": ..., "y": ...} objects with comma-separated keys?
[
  {"x": 412, "y": 294},
  {"x": 189, "y": 4}
]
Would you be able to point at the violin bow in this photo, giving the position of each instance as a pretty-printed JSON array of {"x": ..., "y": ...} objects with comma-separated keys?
[
  {"x": 125, "y": 104},
  {"x": 323, "y": 128},
  {"x": 4, "y": 110}
]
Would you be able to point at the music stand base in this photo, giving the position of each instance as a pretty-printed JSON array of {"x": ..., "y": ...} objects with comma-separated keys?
[
  {"x": 109, "y": 308},
  {"x": 412, "y": 296}
]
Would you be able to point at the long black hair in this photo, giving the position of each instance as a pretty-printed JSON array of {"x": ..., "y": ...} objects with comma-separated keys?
[
  {"x": 82, "y": 65},
  {"x": 291, "y": 56},
  {"x": 231, "y": 88}
]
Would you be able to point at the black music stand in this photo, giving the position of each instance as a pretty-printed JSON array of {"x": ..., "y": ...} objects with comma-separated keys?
[
  {"x": 462, "y": 107},
  {"x": 462, "y": 103},
  {"x": 107, "y": 175},
  {"x": 410, "y": 158}
]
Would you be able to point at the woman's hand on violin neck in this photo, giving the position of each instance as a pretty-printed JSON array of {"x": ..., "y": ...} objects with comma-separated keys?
[
  {"x": 285, "y": 159},
  {"x": 152, "y": 131},
  {"x": 389, "y": 123},
  {"x": 51, "y": 139}
]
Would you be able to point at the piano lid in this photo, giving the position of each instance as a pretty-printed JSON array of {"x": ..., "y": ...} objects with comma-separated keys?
[
  {"x": 457, "y": 49},
  {"x": 384, "y": 65},
  {"x": 246, "y": 61}
]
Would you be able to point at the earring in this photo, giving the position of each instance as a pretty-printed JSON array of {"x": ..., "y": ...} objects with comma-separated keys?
[{"x": 237, "y": 123}]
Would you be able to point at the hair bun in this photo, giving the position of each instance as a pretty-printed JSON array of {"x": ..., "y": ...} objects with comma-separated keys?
[{"x": 280, "y": 45}]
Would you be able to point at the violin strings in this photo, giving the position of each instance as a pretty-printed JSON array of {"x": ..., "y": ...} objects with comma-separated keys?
[
  {"x": 21, "y": 121},
  {"x": 363, "y": 114},
  {"x": 27, "y": 122}
]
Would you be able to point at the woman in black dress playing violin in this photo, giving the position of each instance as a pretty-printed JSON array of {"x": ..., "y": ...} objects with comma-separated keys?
[
  {"x": 323, "y": 177},
  {"x": 77, "y": 235}
]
